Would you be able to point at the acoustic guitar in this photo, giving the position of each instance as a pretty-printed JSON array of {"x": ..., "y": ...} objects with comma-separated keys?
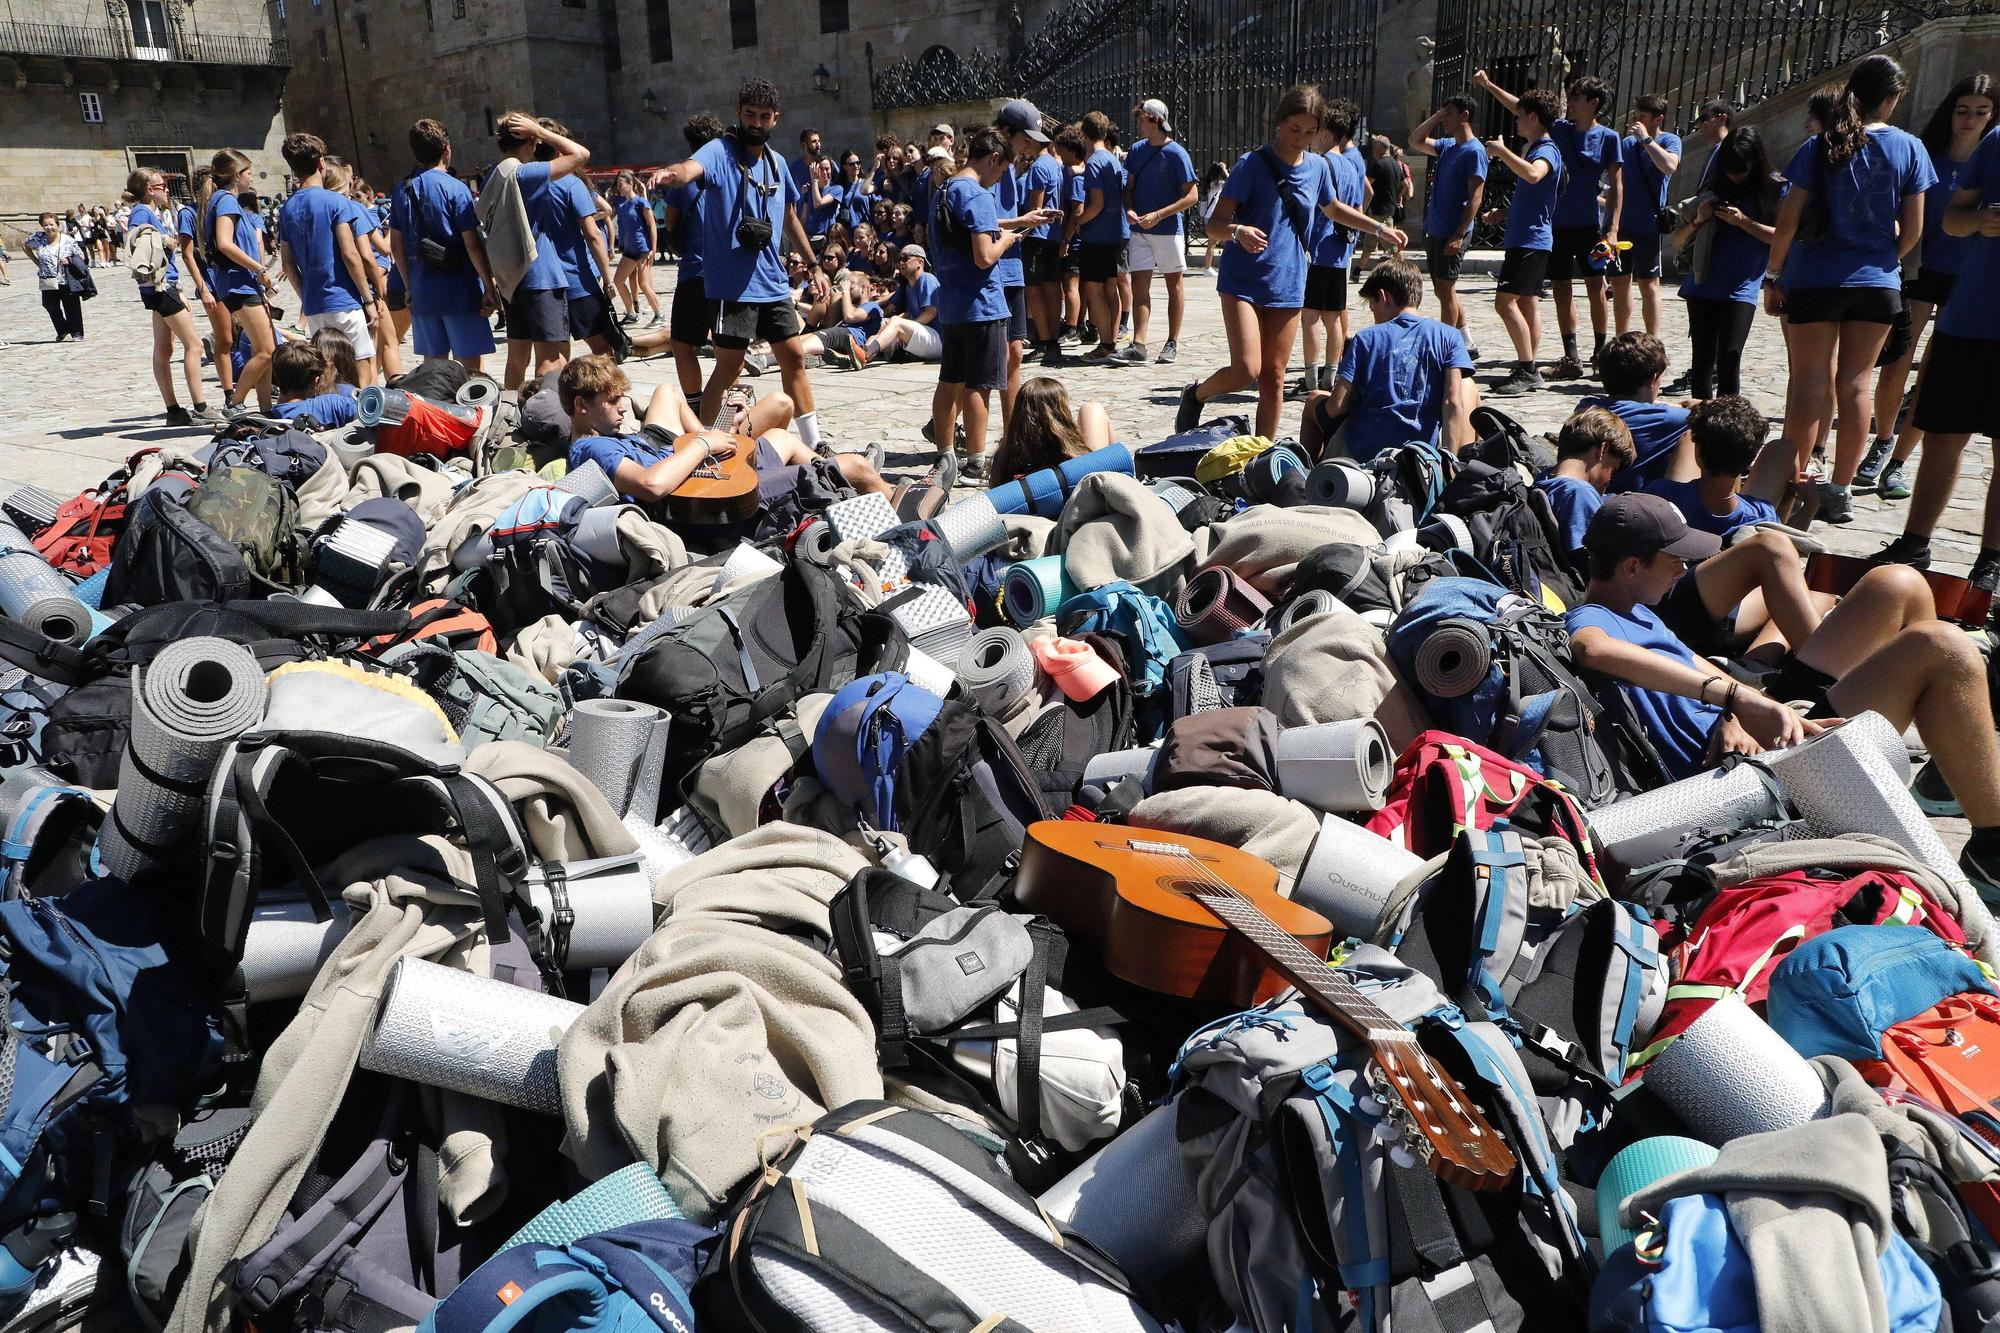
[
  {"x": 1197, "y": 919},
  {"x": 723, "y": 489}
]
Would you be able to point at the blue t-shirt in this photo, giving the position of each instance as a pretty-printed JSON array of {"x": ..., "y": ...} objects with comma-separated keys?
[
  {"x": 227, "y": 218},
  {"x": 1736, "y": 263},
  {"x": 580, "y": 275},
  {"x": 631, "y": 214},
  {"x": 1575, "y": 502},
  {"x": 328, "y": 409},
  {"x": 1969, "y": 312},
  {"x": 1679, "y": 728},
  {"x": 1942, "y": 253},
  {"x": 437, "y": 205},
  {"x": 1102, "y": 171},
  {"x": 1398, "y": 370},
  {"x": 1686, "y": 497},
  {"x": 362, "y": 220},
  {"x": 1532, "y": 213},
  {"x": 1007, "y": 204},
  {"x": 143, "y": 215},
  {"x": 1356, "y": 159},
  {"x": 1159, "y": 176},
  {"x": 1458, "y": 166},
  {"x": 1862, "y": 200},
  {"x": 1656, "y": 429},
  {"x": 688, "y": 232},
  {"x": 816, "y": 220},
  {"x": 541, "y": 201},
  {"x": 1333, "y": 242},
  {"x": 608, "y": 451},
  {"x": 1046, "y": 174},
  {"x": 855, "y": 205},
  {"x": 1645, "y": 184},
  {"x": 1275, "y": 279},
  {"x": 730, "y": 273},
  {"x": 967, "y": 293},
  {"x": 913, "y": 298},
  {"x": 1587, "y": 152}
]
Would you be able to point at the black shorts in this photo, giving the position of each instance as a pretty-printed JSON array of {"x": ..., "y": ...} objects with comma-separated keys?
[
  {"x": 538, "y": 315},
  {"x": 1957, "y": 397},
  {"x": 398, "y": 294},
  {"x": 1569, "y": 256},
  {"x": 1326, "y": 287},
  {"x": 163, "y": 301},
  {"x": 1683, "y": 612},
  {"x": 1443, "y": 266},
  {"x": 975, "y": 354},
  {"x": 1072, "y": 259},
  {"x": 1041, "y": 261},
  {"x": 234, "y": 303},
  {"x": 1522, "y": 272},
  {"x": 1100, "y": 262},
  {"x": 693, "y": 316},
  {"x": 588, "y": 316},
  {"x": 1794, "y": 680},
  {"x": 1017, "y": 314},
  {"x": 740, "y": 323},
  {"x": 1930, "y": 285},
  {"x": 1842, "y": 305},
  {"x": 1642, "y": 260}
]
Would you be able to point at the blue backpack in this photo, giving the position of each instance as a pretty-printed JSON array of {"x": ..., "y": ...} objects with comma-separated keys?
[
  {"x": 1838, "y": 992},
  {"x": 1495, "y": 668},
  {"x": 620, "y": 1281},
  {"x": 864, "y": 738},
  {"x": 1142, "y": 623}
]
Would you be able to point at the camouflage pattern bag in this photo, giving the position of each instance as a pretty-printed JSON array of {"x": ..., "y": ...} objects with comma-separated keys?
[{"x": 255, "y": 513}]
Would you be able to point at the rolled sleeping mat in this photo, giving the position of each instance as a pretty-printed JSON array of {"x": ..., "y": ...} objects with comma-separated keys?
[
  {"x": 1179, "y": 494},
  {"x": 1453, "y": 658},
  {"x": 609, "y": 902},
  {"x": 285, "y": 947},
  {"x": 1134, "y": 1201},
  {"x": 589, "y": 480},
  {"x": 1404, "y": 539},
  {"x": 1446, "y": 532},
  {"x": 1044, "y": 493},
  {"x": 31, "y": 508},
  {"x": 91, "y": 591},
  {"x": 1033, "y": 590},
  {"x": 449, "y": 1029},
  {"x": 1267, "y": 477},
  {"x": 620, "y": 746},
  {"x": 927, "y": 673},
  {"x": 32, "y": 592},
  {"x": 1668, "y": 821},
  {"x": 674, "y": 841},
  {"x": 1340, "y": 483},
  {"x": 379, "y": 405},
  {"x": 479, "y": 391},
  {"x": 629, "y": 1195},
  {"x": 188, "y": 704},
  {"x": 1114, "y": 766},
  {"x": 1731, "y": 1074},
  {"x": 1312, "y": 602},
  {"x": 1218, "y": 603},
  {"x": 972, "y": 526},
  {"x": 746, "y": 561},
  {"x": 596, "y": 536},
  {"x": 816, "y": 540},
  {"x": 1351, "y": 877},
  {"x": 996, "y": 666},
  {"x": 1336, "y": 767},
  {"x": 1856, "y": 779},
  {"x": 1637, "y": 1166}
]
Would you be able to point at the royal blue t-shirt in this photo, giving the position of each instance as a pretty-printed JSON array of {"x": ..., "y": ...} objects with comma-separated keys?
[
  {"x": 1532, "y": 214},
  {"x": 1645, "y": 184},
  {"x": 1587, "y": 152},
  {"x": 328, "y": 409},
  {"x": 631, "y": 214},
  {"x": 307, "y": 222},
  {"x": 816, "y": 220},
  {"x": 1102, "y": 171},
  {"x": 541, "y": 201},
  {"x": 1575, "y": 502},
  {"x": 967, "y": 293},
  {"x": 1679, "y": 728},
  {"x": 580, "y": 275},
  {"x": 608, "y": 451},
  {"x": 437, "y": 205},
  {"x": 1398, "y": 370},
  {"x": 730, "y": 273},
  {"x": 915, "y": 297},
  {"x": 1356, "y": 159},
  {"x": 1737, "y": 262},
  {"x": 1942, "y": 253},
  {"x": 1159, "y": 176},
  {"x": 1969, "y": 312},
  {"x": 1656, "y": 429},
  {"x": 1333, "y": 243},
  {"x": 1007, "y": 204},
  {"x": 688, "y": 232},
  {"x": 143, "y": 215},
  {"x": 1686, "y": 497},
  {"x": 227, "y": 219},
  {"x": 1863, "y": 199},
  {"x": 855, "y": 205},
  {"x": 1046, "y": 174},
  {"x": 1458, "y": 166},
  {"x": 1275, "y": 279}
]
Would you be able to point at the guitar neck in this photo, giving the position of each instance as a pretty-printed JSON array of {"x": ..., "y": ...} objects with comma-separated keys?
[{"x": 1336, "y": 996}]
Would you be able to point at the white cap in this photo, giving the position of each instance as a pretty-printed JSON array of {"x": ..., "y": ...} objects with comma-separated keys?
[{"x": 1157, "y": 109}]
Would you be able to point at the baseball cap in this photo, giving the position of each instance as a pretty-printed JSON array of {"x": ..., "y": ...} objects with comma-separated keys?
[
  {"x": 1023, "y": 117},
  {"x": 1157, "y": 109},
  {"x": 944, "y": 129},
  {"x": 914, "y": 251},
  {"x": 1639, "y": 524},
  {"x": 939, "y": 151}
]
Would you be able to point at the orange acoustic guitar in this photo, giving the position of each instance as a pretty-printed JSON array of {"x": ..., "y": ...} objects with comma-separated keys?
[
  {"x": 1188, "y": 917},
  {"x": 723, "y": 488}
]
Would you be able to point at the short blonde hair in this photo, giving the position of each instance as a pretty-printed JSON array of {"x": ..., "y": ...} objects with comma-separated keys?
[{"x": 589, "y": 377}]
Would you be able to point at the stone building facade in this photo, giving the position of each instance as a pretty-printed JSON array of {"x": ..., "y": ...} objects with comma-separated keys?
[{"x": 90, "y": 89}]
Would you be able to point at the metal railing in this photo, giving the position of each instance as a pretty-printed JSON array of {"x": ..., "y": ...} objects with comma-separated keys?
[
  {"x": 83, "y": 42},
  {"x": 235, "y": 49}
]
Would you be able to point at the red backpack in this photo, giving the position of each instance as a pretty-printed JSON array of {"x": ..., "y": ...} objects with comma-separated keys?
[
  {"x": 80, "y": 538},
  {"x": 1446, "y": 783}
]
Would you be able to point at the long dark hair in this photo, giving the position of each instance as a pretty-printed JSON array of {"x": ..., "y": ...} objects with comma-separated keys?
[
  {"x": 1937, "y": 130},
  {"x": 1042, "y": 432},
  {"x": 1874, "y": 81},
  {"x": 1757, "y": 193}
]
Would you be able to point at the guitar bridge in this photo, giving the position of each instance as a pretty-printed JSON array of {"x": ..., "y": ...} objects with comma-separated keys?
[{"x": 1151, "y": 848}]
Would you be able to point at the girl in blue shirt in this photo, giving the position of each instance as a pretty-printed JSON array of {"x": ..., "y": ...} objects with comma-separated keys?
[
  {"x": 171, "y": 320},
  {"x": 1737, "y": 207},
  {"x": 236, "y": 254},
  {"x": 1855, "y": 208},
  {"x": 1264, "y": 215},
  {"x": 638, "y": 239}
]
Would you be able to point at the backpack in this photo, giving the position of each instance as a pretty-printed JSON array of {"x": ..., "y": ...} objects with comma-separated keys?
[
  {"x": 1514, "y": 532},
  {"x": 80, "y": 539},
  {"x": 883, "y": 1217},
  {"x": 145, "y": 254},
  {"x": 1222, "y": 675},
  {"x": 636, "y": 1276},
  {"x": 163, "y": 1204},
  {"x": 1066, "y": 735},
  {"x": 494, "y": 700},
  {"x": 1444, "y": 783},
  {"x": 1502, "y": 442},
  {"x": 1179, "y": 455},
  {"x": 1495, "y": 667},
  {"x": 1409, "y": 478},
  {"x": 1145, "y": 628}
]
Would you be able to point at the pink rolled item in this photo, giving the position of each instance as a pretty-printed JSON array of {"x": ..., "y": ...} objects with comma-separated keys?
[{"x": 1074, "y": 666}]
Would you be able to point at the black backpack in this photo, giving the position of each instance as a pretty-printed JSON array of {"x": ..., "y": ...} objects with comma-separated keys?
[
  {"x": 1515, "y": 535},
  {"x": 1222, "y": 675},
  {"x": 1066, "y": 735},
  {"x": 966, "y": 796}
]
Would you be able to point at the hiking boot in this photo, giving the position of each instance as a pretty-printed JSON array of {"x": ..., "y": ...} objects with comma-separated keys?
[
  {"x": 944, "y": 475},
  {"x": 1836, "y": 504},
  {"x": 1568, "y": 368},
  {"x": 1189, "y": 414},
  {"x": 1869, "y": 475},
  {"x": 876, "y": 453},
  {"x": 1909, "y": 549},
  {"x": 178, "y": 415},
  {"x": 1985, "y": 574},
  {"x": 1932, "y": 796},
  {"x": 1982, "y": 866},
  {"x": 1894, "y": 485},
  {"x": 1524, "y": 379},
  {"x": 1169, "y": 353},
  {"x": 1135, "y": 353}
]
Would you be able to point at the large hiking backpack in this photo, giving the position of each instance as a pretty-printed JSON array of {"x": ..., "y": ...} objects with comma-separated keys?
[
  {"x": 1495, "y": 667},
  {"x": 1145, "y": 628},
  {"x": 1278, "y": 1130},
  {"x": 1409, "y": 478},
  {"x": 1444, "y": 783},
  {"x": 637, "y": 1276},
  {"x": 886, "y": 1218},
  {"x": 1067, "y": 734},
  {"x": 1514, "y": 532},
  {"x": 1222, "y": 675},
  {"x": 234, "y": 537},
  {"x": 80, "y": 538}
]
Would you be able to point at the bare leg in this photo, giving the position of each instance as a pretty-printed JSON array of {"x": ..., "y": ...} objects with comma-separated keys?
[
  {"x": 1809, "y": 391},
  {"x": 1176, "y": 304},
  {"x": 519, "y": 351},
  {"x": 974, "y": 405},
  {"x": 1449, "y": 310},
  {"x": 163, "y": 361},
  {"x": 256, "y": 376},
  {"x": 1860, "y": 345},
  {"x": 1931, "y": 674},
  {"x": 1888, "y": 600},
  {"x": 1600, "y": 307},
  {"x": 1275, "y": 331},
  {"x": 550, "y": 356},
  {"x": 1239, "y": 326},
  {"x": 1895, "y": 377},
  {"x": 222, "y": 336},
  {"x": 1649, "y": 297},
  {"x": 944, "y": 413},
  {"x": 728, "y": 365},
  {"x": 1621, "y": 301},
  {"x": 1910, "y": 437},
  {"x": 1565, "y": 306},
  {"x": 1095, "y": 423},
  {"x": 1767, "y": 563},
  {"x": 687, "y": 367},
  {"x": 791, "y": 358},
  {"x": 1142, "y": 304},
  {"x": 1103, "y": 299},
  {"x": 181, "y": 326}
]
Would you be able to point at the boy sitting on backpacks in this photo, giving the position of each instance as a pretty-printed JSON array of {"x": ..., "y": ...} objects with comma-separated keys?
[
  {"x": 1631, "y": 366},
  {"x": 1881, "y": 649},
  {"x": 303, "y": 378},
  {"x": 1728, "y": 433},
  {"x": 1404, "y": 379},
  {"x": 644, "y": 465},
  {"x": 1590, "y": 449}
]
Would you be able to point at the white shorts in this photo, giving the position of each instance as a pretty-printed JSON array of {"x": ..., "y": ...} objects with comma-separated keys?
[
  {"x": 349, "y": 324},
  {"x": 1158, "y": 254},
  {"x": 926, "y": 343}
]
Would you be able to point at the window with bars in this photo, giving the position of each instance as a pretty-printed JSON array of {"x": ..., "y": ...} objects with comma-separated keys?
[
  {"x": 92, "y": 108},
  {"x": 659, "y": 32},
  {"x": 742, "y": 23},
  {"x": 833, "y": 15}
]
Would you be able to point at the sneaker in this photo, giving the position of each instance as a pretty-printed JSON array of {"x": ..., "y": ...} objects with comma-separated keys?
[
  {"x": 178, "y": 416},
  {"x": 1983, "y": 870},
  {"x": 1124, "y": 328},
  {"x": 1985, "y": 574},
  {"x": 1472, "y": 352},
  {"x": 1326, "y": 378},
  {"x": 1524, "y": 379},
  {"x": 759, "y": 363},
  {"x": 1933, "y": 797},
  {"x": 1894, "y": 485},
  {"x": 1869, "y": 475},
  {"x": 876, "y": 453},
  {"x": 1071, "y": 337},
  {"x": 62, "y": 337},
  {"x": 1170, "y": 352},
  {"x": 1135, "y": 353},
  {"x": 975, "y": 468},
  {"x": 1189, "y": 415},
  {"x": 839, "y": 352},
  {"x": 1678, "y": 389},
  {"x": 1836, "y": 504},
  {"x": 206, "y": 414},
  {"x": 1300, "y": 389},
  {"x": 1568, "y": 368},
  {"x": 1908, "y": 549},
  {"x": 860, "y": 350},
  {"x": 1104, "y": 354},
  {"x": 629, "y": 317},
  {"x": 1031, "y": 352},
  {"x": 944, "y": 475}
]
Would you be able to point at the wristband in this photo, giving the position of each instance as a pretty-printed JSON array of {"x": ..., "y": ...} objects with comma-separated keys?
[{"x": 1729, "y": 702}]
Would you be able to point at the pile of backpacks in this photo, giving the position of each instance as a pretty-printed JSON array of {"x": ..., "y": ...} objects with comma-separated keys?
[{"x": 439, "y": 895}]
